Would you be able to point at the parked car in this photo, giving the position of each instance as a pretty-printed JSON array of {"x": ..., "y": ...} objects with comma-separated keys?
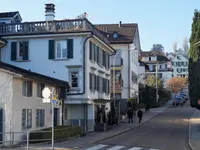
[
  {"x": 178, "y": 101},
  {"x": 183, "y": 97}
]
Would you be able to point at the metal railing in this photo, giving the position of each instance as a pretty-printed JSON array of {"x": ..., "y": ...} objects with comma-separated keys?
[
  {"x": 19, "y": 139},
  {"x": 56, "y": 26}
]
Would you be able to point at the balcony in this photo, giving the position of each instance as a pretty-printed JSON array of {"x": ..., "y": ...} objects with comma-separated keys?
[{"x": 50, "y": 27}]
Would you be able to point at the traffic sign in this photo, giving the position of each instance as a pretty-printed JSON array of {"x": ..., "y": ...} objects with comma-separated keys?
[{"x": 54, "y": 101}]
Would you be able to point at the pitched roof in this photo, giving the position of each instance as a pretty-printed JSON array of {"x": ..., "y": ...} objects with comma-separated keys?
[
  {"x": 161, "y": 57},
  {"x": 125, "y": 32},
  {"x": 33, "y": 75},
  {"x": 8, "y": 14}
]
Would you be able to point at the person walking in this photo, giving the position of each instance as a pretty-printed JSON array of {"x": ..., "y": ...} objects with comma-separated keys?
[
  {"x": 130, "y": 115},
  {"x": 140, "y": 114}
]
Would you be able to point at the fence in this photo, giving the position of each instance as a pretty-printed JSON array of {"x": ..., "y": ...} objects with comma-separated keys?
[{"x": 13, "y": 139}]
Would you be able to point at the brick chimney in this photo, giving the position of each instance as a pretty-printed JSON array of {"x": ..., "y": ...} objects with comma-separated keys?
[{"x": 49, "y": 12}]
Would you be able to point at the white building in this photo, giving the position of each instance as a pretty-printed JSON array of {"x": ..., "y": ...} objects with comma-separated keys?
[
  {"x": 157, "y": 59},
  {"x": 179, "y": 64},
  {"x": 21, "y": 103},
  {"x": 124, "y": 38},
  {"x": 69, "y": 50}
]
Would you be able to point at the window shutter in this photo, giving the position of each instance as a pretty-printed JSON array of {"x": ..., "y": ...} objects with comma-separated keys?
[
  {"x": 13, "y": 51},
  {"x": 98, "y": 85},
  {"x": 104, "y": 58},
  {"x": 95, "y": 82},
  {"x": 90, "y": 50},
  {"x": 95, "y": 52},
  {"x": 90, "y": 80},
  {"x": 98, "y": 54},
  {"x": 104, "y": 85},
  {"x": 108, "y": 61},
  {"x": 25, "y": 50},
  {"x": 51, "y": 49},
  {"x": 29, "y": 88},
  {"x": 70, "y": 48},
  {"x": 108, "y": 86}
]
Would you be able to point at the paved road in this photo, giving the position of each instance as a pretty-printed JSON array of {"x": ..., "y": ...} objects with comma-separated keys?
[{"x": 167, "y": 131}]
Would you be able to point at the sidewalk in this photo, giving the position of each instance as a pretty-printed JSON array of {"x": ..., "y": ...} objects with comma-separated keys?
[
  {"x": 194, "y": 131},
  {"x": 98, "y": 136}
]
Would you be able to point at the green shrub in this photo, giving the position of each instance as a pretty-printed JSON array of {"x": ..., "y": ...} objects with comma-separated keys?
[{"x": 60, "y": 133}]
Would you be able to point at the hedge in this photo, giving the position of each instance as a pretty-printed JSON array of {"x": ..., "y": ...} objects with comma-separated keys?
[{"x": 60, "y": 133}]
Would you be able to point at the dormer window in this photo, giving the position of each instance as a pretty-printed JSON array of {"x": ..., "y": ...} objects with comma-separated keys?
[{"x": 115, "y": 35}]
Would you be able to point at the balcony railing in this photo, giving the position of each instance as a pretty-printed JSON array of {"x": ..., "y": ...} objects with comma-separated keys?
[{"x": 56, "y": 26}]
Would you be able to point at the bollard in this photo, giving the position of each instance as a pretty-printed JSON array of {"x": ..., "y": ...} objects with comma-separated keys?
[{"x": 27, "y": 140}]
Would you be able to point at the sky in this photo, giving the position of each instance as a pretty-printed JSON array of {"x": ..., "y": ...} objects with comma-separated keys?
[{"x": 159, "y": 21}]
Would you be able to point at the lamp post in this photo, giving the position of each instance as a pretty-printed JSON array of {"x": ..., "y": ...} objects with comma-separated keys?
[{"x": 157, "y": 83}]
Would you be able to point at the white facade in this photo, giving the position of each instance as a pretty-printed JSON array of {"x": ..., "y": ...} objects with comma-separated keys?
[
  {"x": 129, "y": 54},
  {"x": 180, "y": 66},
  {"x": 62, "y": 68},
  {"x": 14, "y": 104}
]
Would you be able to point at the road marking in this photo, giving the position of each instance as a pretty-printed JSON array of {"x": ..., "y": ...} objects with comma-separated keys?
[
  {"x": 136, "y": 148},
  {"x": 154, "y": 149},
  {"x": 116, "y": 148},
  {"x": 97, "y": 147}
]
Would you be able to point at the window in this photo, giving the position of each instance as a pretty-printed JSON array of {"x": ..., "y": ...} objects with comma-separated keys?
[
  {"x": 100, "y": 56},
  {"x": 115, "y": 35},
  {"x": 93, "y": 80},
  {"x": 26, "y": 118},
  {"x": 40, "y": 87},
  {"x": 40, "y": 118},
  {"x": 27, "y": 88},
  {"x": 19, "y": 51},
  {"x": 146, "y": 58},
  {"x": 61, "y": 49},
  {"x": 153, "y": 58},
  {"x": 74, "y": 79}
]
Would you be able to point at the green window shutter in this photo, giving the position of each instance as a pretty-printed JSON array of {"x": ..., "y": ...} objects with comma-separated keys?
[
  {"x": 51, "y": 49},
  {"x": 13, "y": 51},
  {"x": 90, "y": 50},
  {"x": 108, "y": 61},
  {"x": 104, "y": 58},
  {"x": 108, "y": 86},
  {"x": 25, "y": 50},
  {"x": 95, "y": 52},
  {"x": 90, "y": 80},
  {"x": 95, "y": 82},
  {"x": 98, "y": 78},
  {"x": 70, "y": 48},
  {"x": 98, "y": 55}
]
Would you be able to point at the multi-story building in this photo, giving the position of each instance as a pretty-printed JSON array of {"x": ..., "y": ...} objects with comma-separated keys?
[
  {"x": 179, "y": 64},
  {"x": 71, "y": 50},
  {"x": 157, "y": 59},
  {"x": 124, "y": 38},
  {"x": 21, "y": 102}
]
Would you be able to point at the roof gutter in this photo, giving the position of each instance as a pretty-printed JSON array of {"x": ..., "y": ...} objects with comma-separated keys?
[{"x": 84, "y": 67}]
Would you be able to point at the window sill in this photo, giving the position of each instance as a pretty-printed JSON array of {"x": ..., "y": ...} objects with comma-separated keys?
[
  {"x": 22, "y": 60},
  {"x": 60, "y": 59},
  {"x": 24, "y": 97},
  {"x": 75, "y": 89}
]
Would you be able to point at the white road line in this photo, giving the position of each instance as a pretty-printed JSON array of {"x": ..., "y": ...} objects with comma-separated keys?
[
  {"x": 154, "y": 149},
  {"x": 97, "y": 147},
  {"x": 136, "y": 148},
  {"x": 116, "y": 148}
]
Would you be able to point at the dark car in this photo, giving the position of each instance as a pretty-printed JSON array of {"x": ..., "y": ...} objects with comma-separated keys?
[{"x": 178, "y": 101}]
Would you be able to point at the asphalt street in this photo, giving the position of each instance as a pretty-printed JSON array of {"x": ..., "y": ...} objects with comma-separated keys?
[{"x": 166, "y": 131}]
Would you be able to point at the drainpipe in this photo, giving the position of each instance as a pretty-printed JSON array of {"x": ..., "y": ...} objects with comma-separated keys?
[
  {"x": 129, "y": 81},
  {"x": 84, "y": 67}
]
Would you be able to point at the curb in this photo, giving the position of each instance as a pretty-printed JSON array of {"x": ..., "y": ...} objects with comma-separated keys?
[
  {"x": 121, "y": 132},
  {"x": 189, "y": 131}
]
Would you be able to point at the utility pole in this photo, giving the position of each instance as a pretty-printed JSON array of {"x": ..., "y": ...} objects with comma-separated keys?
[{"x": 157, "y": 83}]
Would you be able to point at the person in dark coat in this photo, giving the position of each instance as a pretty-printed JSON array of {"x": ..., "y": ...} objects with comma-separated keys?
[
  {"x": 130, "y": 115},
  {"x": 140, "y": 114}
]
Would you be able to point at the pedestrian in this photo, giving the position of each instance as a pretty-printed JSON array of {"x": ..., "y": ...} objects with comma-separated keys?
[
  {"x": 130, "y": 115},
  {"x": 140, "y": 114}
]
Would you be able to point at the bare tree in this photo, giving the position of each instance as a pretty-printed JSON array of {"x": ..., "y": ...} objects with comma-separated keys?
[
  {"x": 175, "y": 47},
  {"x": 185, "y": 45}
]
